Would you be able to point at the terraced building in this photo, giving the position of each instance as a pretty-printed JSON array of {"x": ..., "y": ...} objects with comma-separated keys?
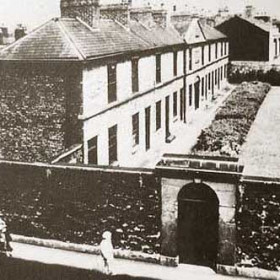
[{"x": 105, "y": 84}]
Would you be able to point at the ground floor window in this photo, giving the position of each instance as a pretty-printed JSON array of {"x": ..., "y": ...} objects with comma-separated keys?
[
  {"x": 113, "y": 144},
  {"x": 92, "y": 150},
  {"x": 190, "y": 95},
  {"x": 158, "y": 115},
  {"x": 175, "y": 104},
  {"x": 202, "y": 87},
  {"x": 215, "y": 76},
  {"x": 135, "y": 129}
]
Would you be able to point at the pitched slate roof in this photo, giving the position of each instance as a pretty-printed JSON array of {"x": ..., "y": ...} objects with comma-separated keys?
[
  {"x": 208, "y": 32},
  {"x": 156, "y": 36},
  {"x": 211, "y": 33},
  {"x": 265, "y": 26},
  {"x": 72, "y": 39},
  {"x": 46, "y": 42}
]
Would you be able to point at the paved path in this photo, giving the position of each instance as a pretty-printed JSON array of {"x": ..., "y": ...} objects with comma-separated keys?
[
  {"x": 261, "y": 152},
  {"x": 186, "y": 137},
  {"x": 121, "y": 267}
]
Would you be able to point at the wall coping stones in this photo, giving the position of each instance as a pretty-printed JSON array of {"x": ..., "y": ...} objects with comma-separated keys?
[
  {"x": 90, "y": 249},
  {"x": 190, "y": 166},
  {"x": 250, "y": 272},
  {"x": 82, "y": 167}
]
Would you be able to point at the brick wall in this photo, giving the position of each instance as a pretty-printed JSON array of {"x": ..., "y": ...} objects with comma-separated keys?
[
  {"x": 77, "y": 204},
  {"x": 35, "y": 116},
  {"x": 258, "y": 231}
]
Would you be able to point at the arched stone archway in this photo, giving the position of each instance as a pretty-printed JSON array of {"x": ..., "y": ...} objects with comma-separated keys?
[{"x": 198, "y": 223}]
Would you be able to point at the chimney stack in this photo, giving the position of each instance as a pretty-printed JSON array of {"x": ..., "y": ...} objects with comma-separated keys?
[
  {"x": 117, "y": 12},
  {"x": 160, "y": 17},
  {"x": 249, "y": 10},
  {"x": 86, "y": 10},
  {"x": 143, "y": 15}
]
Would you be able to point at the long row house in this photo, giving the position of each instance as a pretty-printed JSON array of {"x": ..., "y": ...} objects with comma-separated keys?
[{"x": 106, "y": 84}]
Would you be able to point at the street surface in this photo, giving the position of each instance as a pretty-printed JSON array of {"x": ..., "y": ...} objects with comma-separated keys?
[{"x": 38, "y": 263}]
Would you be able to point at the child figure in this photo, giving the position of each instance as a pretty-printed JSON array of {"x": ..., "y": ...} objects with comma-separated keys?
[
  {"x": 107, "y": 252},
  {"x": 5, "y": 239}
]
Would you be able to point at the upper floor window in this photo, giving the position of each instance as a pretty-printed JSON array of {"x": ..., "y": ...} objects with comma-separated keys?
[
  {"x": 158, "y": 115},
  {"x": 202, "y": 55},
  {"x": 135, "y": 75},
  {"x": 113, "y": 144},
  {"x": 216, "y": 50},
  {"x": 175, "y": 63},
  {"x": 135, "y": 129},
  {"x": 112, "y": 83},
  {"x": 222, "y": 48},
  {"x": 190, "y": 59},
  {"x": 158, "y": 68},
  {"x": 209, "y": 53}
]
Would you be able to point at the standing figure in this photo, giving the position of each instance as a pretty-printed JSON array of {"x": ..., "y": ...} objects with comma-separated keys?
[
  {"x": 107, "y": 252},
  {"x": 5, "y": 239}
]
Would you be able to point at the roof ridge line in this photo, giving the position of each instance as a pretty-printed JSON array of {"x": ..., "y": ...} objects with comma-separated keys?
[
  {"x": 145, "y": 26},
  {"x": 26, "y": 36},
  {"x": 123, "y": 26},
  {"x": 87, "y": 25},
  {"x": 71, "y": 41},
  {"x": 201, "y": 29}
]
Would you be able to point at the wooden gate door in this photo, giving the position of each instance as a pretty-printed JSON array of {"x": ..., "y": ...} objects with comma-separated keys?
[{"x": 198, "y": 225}]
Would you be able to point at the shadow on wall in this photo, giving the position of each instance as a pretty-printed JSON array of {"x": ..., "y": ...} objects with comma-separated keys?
[{"x": 239, "y": 74}]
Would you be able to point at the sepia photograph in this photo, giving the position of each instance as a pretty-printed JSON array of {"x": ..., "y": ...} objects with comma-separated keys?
[{"x": 139, "y": 139}]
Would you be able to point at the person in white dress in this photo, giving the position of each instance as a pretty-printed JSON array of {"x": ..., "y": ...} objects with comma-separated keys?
[{"x": 107, "y": 252}]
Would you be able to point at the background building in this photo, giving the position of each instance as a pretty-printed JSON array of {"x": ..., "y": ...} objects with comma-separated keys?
[{"x": 251, "y": 39}]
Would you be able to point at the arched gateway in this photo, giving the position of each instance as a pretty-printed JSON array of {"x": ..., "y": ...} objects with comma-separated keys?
[{"x": 198, "y": 219}]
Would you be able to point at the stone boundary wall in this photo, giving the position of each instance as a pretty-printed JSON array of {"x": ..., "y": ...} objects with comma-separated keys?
[
  {"x": 256, "y": 65},
  {"x": 258, "y": 230},
  {"x": 77, "y": 204},
  {"x": 254, "y": 71}
]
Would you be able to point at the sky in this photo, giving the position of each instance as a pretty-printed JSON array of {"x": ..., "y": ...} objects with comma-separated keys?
[{"x": 33, "y": 13}]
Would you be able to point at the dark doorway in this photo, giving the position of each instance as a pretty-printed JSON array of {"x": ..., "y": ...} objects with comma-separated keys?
[
  {"x": 148, "y": 127},
  {"x": 196, "y": 95},
  {"x": 167, "y": 129},
  {"x": 212, "y": 85},
  {"x": 198, "y": 217},
  {"x": 182, "y": 104}
]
